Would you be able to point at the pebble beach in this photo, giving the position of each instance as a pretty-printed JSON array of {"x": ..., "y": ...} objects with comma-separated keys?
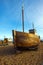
[{"x": 9, "y": 57}]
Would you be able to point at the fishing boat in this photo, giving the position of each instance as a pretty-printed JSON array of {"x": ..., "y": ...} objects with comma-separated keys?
[{"x": 24, "y": 39}]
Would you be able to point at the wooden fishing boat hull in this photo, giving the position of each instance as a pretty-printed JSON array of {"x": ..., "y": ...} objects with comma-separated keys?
[{"x": 25, "y": 40}]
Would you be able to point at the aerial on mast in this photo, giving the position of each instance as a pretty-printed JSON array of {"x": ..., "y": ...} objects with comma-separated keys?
[{"x": 23, "y": 16}]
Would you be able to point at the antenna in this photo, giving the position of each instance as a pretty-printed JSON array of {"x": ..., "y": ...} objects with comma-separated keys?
[
  {"x": 33, "y": 25},
  {"x": 22, "y": 16},
  {"x": 33, "y": 28}
]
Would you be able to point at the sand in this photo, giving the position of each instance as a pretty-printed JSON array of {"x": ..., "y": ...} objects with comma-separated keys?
[{"x": 9, "y": 57}]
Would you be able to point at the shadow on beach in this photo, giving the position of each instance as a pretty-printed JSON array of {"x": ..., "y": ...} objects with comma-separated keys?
[{"x": 7, "y": 50}]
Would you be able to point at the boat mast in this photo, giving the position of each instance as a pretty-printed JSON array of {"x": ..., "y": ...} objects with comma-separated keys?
[{"x": 22, "y": 17}]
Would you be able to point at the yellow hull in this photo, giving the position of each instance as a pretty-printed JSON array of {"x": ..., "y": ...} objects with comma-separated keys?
[{"x": 25, "y": 39}]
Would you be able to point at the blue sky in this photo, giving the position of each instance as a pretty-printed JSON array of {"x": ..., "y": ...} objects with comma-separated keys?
[{"x": 11, "y": 16}]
